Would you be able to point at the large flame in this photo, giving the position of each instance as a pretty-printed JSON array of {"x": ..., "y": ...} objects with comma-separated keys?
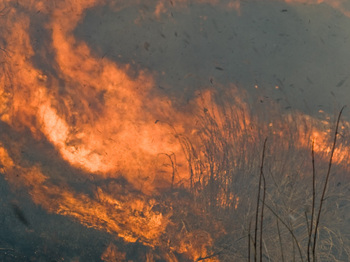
[{"x": 106, "y": 123}]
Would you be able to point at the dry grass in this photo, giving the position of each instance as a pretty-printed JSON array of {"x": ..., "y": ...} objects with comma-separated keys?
[{"x": 300, "y": 208}]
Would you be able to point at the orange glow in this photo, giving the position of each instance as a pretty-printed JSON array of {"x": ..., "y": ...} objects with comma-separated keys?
[
  {"x": 107, "y": 125},
  {"x": 113, "y": 254},
  {"x": 105, "y": 212},
  {"x": 94, "y": 142},
  {"x": 102, "y": 121},
  {"x": 340, "y": 5},
  {"x": 322, "y": 133}
]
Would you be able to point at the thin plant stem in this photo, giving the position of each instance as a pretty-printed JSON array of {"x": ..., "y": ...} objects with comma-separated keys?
[
  {"x": 263, "y": 201},
  {"x": 289, "y": 229},
  {"x": 307, "y": 223},
  {"x": 249, "y": 236},
  {"x": 326, "y": 182},
  {"x": 280, "y": 239},
  {"x": 257, "y": 206},
  {"x": 313, "y": 200}
]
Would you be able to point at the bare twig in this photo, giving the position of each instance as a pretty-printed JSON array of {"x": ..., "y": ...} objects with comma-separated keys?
[
  {"x": 307, "y": 223},
  {"x": 280, "y": 239},
  {"x": 289, "y": 229},
  {"x": 257, "y": 209},
  {"x": 313, "y": 201},
  {"x": 209, "y": 256},
  {"x": 263, "y": 201},
  {"x": 172, "y": 158},
  {"x": 326, "y": 182},
  {"x": 249, "y": 236}
]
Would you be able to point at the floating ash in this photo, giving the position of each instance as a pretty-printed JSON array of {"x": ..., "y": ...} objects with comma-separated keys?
[{"x": 91, "y": 142}]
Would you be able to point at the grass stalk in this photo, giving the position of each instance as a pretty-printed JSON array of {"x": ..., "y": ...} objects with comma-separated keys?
[
  {"x": 280, "y": 240},
  {"x": 257, "y": 208},
  {"x": 263, "y": 200},
  {"x": 289, "y": 229},
  {"x": 326, "y": 183},
  {"x": 249, "y": 236},
  {"x": 313, "y": 201}
]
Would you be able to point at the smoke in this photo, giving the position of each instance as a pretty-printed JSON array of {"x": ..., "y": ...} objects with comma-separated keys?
[{"x": 96, "y": 134}]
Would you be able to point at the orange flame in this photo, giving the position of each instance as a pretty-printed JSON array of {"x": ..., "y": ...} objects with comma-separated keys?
[
  {"x": 108, "y": 124},
  {"x": 340, "y": 5}
]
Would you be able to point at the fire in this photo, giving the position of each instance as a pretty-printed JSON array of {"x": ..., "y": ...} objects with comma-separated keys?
[
  {"x": 99, "y": 120},
  {"x": 108, "y": 125},
  {"x": 340, "y": 5},
  {"x": 103, "y": 121}
]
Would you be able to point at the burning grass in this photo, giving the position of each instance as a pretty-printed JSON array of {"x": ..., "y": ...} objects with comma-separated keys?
[
  {"x": 225, "y": 163},
  {"x": 211, "y": 212},
  {"x": 138, "y": 179}
]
